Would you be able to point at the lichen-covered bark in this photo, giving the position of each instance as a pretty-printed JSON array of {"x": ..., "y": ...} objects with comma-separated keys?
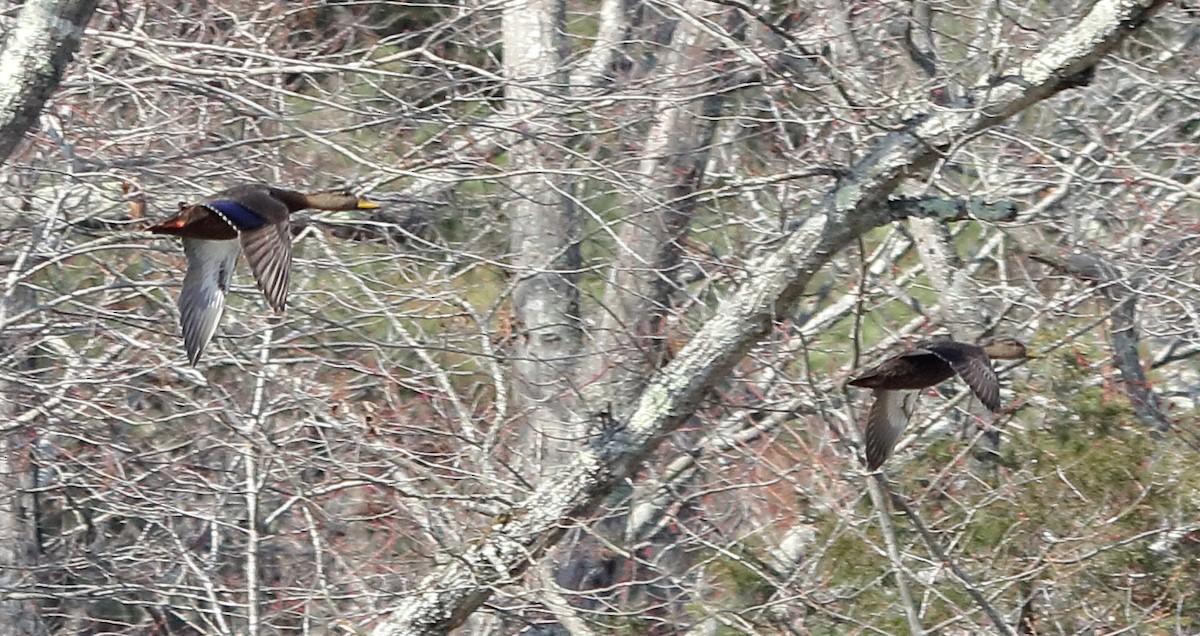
[{"x": 451, "y": 592}]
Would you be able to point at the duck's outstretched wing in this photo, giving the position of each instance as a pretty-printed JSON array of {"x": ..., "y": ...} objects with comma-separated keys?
[
  {"x": 202, "y": 300},
  {"x": 886, "y": 423},
  {"x": 973, "y": 366},
  {"x": 269, "y": 252}
]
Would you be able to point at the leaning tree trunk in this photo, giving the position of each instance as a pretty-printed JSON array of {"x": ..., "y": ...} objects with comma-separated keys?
[
  {"x": 629, "y": 343},
  {"x": 853, "y": 206}
]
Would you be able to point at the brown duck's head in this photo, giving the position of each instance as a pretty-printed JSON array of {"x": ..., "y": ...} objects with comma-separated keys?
[
  {"x": 1006, "y": 349},
  {"x": 341, "y": 199}
]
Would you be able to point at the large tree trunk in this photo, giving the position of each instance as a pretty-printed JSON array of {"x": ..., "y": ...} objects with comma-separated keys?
[
  {"x": 544, "y": 235},
  {"x": 36, "y": 51}
]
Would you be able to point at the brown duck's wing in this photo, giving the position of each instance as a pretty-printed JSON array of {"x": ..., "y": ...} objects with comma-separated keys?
[
  {"x": 257, "y": 198},
  {"x": 916, "y": 369},
  {"x": 886, "y": 423},
  {"x": 269, "y": 252},
  {"x": 973, "y": 366}
]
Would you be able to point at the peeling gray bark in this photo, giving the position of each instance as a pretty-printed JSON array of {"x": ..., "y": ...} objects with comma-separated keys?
[
  {"x": 446, "y": 596},
  {"x": 36, "y": 51}
]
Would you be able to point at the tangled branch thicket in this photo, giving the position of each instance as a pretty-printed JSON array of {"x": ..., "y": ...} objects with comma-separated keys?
[{"x": 571, "y": 192}]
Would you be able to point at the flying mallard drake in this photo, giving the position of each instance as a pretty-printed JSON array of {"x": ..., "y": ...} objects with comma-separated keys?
[
  {"x": 251, "y": 218},
  {"x": 930, "y": 363}
]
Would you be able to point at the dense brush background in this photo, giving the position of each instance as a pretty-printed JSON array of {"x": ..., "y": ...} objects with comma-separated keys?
[{"x": 312, "y": 469}]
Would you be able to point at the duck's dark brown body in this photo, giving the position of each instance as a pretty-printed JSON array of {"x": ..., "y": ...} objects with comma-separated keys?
[
  {"x": 930, "y": 364},
  {"x": 194, "y": 221},
  {"x": 251, "y": 219},
  {"x": 913, "y": 370},
  {"x": 272, "y": 205}
]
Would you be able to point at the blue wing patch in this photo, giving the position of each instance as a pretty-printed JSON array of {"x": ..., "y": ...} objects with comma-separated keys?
[{"x": 242, "y": 217}]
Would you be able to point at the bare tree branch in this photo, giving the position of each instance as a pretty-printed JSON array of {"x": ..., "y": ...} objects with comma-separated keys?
[
  {"x": 1122, "y": 297},
  {"x": 456, "y": 589}
]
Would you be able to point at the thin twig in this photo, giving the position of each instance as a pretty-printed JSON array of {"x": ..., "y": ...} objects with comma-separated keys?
[{"x": 959, "y": 573}]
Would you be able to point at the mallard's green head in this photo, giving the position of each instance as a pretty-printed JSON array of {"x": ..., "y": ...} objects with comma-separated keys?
[{"x": 341, "y": 199}]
